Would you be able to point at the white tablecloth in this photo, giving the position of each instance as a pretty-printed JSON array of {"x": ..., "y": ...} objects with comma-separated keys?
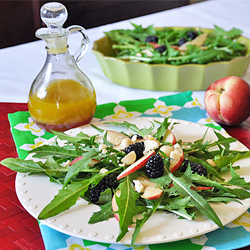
[{"x": 19, "y": 65}]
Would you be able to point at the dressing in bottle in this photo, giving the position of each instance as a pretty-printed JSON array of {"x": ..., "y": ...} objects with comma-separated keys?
[{"x": 62, "y": 96}]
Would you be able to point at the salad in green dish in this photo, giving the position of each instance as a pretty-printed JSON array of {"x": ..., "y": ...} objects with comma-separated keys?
[
  {"x": 176, "y": 46},
  {"x": 138, "y": 172}
]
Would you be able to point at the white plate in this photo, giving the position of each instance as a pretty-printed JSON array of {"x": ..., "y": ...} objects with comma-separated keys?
[{"x": 36, "y": 191}]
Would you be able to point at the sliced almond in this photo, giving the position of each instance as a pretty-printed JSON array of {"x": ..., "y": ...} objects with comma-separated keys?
[{"x": 129, "y": 158}]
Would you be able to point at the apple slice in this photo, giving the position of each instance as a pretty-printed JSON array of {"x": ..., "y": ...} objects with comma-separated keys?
[
  {"x": 198, "y": 41},
  {"x": 92, "y": 163},
  {"x": 124, "y": 144},
  {"x": 167, "y": 149},
  {"x": 114, "y": 204},
  {"x": 136, "y": 165},
  {"x": 115, "y": 137},
  {"x": 151, "y": 191},
  {"x": 169, "y": 136},
  {"x": 176, "y": 158},
  {"x": 200, "y": 188},
  {"x": 151, "y": 144}
]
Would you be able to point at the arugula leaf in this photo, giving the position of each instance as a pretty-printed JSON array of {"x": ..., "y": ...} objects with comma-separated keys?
[
  {"x": 65, "y": 199},
  {"x": 80, "y": 165},
  {"x": 162, "y": 129},
  {"x": 222, "y": 199},
  {"x": 70, "y": 138},
  {"x": 46, "y": 150},
  {"x": 237, "y": 180},
  {"x": 22, "y": 166},
  {"x": 146, "y": 215},
  {"x": 127, "y": 206},
  {"x": 241, "y": 156},
  {"x": 105, "y": 213},
  {"x": 230, "y": 34},
  {"x": 222, "y": 140},
  {"x": 144, "y": 131},
  {"x": 182, "y": 186},
  {"x": 239, "y": 193},
  {"x": 201, "y": 180}
]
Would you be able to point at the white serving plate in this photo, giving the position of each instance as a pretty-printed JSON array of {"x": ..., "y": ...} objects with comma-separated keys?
[{"x": 36, "y": 191}]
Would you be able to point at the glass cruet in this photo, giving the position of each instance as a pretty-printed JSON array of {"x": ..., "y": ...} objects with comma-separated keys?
[{"x": 61, "y": 96}]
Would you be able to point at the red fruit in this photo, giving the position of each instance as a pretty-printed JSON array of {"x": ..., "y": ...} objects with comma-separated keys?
[
  {"x": 169, "y": 136},
  {"x": 136, "y": 165},
  {"x": 176, "y": 158},
  {"x": 151, "y": 189},
  {"x": 227, "y": 100}
]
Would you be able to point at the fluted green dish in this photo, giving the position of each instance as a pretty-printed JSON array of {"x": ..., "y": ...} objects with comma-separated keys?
[{"x": 165, "y": 77}]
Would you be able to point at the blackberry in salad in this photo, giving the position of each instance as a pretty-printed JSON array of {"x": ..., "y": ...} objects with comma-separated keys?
[
  {"x": 152, "y": 39},
  {"x": 136, "y": 136},
  {"x": 161, "y": 48},
  {"x": 105, "y": 183},
  {"x": 137, "y": 147},
  {"x": 155, "y": 166},
  {"x": 192, "y": 35},
  {"x": 195, "y": 167},
  {"x": 182, "y": 41}
]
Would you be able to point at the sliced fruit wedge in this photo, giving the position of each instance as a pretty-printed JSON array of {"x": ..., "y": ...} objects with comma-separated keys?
[
  {"x": 169, "y": 136},
  {"x": 198, "y": 41},
  {"x": 124, "y": 144},
  {"x": 114, "y": 204},
  {"x": 151, "y": 189},
  {"x": 176, "y": 158},
  {"x": 92, "y": 163},
  {"x": 200, "y": 188},
  {"x": 115, "y": 137},
  {"x": 167, "y": 149},
  {"x": 136, "y": 165},
  {"x": 151, "y": 144}
]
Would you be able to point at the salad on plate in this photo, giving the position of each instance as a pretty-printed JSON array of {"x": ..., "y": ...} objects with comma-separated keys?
[{"x": 137, "y": 172}]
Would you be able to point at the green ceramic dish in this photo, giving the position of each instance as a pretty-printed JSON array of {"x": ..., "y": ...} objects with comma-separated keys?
[{"x": 164, "y": 77}]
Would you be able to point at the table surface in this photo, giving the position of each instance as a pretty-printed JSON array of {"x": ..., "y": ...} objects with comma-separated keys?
[{"x": 20, "y": 64}]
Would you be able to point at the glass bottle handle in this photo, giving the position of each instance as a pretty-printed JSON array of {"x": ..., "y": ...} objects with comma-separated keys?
[{"x": 84, "y": 42}]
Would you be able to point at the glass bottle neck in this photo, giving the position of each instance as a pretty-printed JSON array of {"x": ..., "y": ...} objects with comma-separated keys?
[{"x": 57, "y": 45}]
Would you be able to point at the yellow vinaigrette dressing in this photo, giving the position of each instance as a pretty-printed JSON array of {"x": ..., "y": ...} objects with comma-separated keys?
[{"x": 64, "y": 104}]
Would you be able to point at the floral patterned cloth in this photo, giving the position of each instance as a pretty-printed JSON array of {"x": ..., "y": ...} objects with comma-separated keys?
[{"x": 183, "y": 106}]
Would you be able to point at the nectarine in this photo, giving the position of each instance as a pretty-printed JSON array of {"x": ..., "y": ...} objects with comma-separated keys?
[{"x": 227, "y": 100}]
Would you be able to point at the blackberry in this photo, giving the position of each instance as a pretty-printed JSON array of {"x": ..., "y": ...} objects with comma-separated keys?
[
  {"x": 137, "y": 136},
  {"x": 105, "y": 183},
  {"x": 151, "y": 39},
  {"x": 138, "y": 147},
  {"x": 161, "y": 48},
  {"x": 192, "y": 35},
  {"x": 155, "y": 166},
  {"x": 195, "y": 167},
  {"x": 182, "y": 41}
]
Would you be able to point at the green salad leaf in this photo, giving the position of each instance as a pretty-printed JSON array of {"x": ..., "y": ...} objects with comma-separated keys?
[{"x": 132, "y": 44}]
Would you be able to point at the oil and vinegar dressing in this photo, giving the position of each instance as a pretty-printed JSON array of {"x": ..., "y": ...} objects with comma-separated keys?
[{"x": 63, "y": 105}]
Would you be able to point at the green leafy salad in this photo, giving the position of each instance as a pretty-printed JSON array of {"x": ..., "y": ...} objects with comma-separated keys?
[
  {"x": 140, "y": 172},
  {"x": 176, "y": 46}
]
